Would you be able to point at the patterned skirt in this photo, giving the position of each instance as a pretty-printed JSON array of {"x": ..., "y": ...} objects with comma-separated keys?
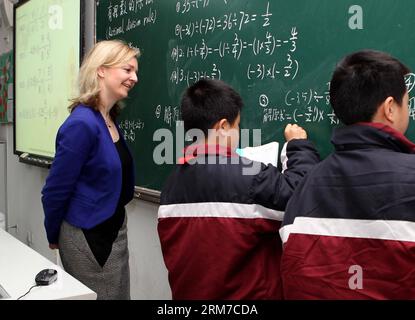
[{"x": 111, "y": 282}]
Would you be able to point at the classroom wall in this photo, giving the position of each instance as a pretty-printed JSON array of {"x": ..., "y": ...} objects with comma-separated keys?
[{"x": 23, "y": 187}]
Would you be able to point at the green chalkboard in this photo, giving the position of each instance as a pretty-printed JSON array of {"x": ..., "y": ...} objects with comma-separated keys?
[{"x": 278, "y": 54}]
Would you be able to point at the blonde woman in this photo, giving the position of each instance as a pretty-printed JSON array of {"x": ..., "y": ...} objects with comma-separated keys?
[{"x": 92, "y": 176}]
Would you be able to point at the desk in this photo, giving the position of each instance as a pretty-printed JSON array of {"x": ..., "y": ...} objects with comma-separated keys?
[{"x": 19, "y": 266}]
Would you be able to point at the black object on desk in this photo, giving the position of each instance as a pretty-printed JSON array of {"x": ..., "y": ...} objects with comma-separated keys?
[{"x": 46, "y": 277}]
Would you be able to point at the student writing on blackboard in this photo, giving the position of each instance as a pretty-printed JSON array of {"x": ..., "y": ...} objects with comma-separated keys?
[
  {"x": 218, "y": 224},
  {"x": 92, "y": 178},
  {"x": 349, "y": 229}
]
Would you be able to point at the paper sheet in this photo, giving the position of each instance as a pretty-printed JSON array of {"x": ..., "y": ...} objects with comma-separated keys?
[{"x": 266, "y": 153}]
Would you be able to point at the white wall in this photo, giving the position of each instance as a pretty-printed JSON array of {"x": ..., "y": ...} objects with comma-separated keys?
[{"x": 24, "y": 184}]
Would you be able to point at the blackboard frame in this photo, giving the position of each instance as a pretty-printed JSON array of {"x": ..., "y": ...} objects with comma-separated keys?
[
  {"x": 30, "y": 158},
  {"x": 148, "y": 195}
]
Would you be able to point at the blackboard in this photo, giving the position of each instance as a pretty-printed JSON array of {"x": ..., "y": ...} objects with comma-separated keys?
[
  {"x": 278, "y": 54},
  {"x": 47, "y": 51}
]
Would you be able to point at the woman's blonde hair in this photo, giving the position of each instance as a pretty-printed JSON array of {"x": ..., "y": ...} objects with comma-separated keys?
[{"x": 109, "y": 53}]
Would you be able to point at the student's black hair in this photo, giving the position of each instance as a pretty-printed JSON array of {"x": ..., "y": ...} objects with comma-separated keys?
[
  {"x": 362, "y": 81},
  {"x": 208, "y": 101}
]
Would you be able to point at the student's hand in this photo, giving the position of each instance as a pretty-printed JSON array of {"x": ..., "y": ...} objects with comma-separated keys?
[
  {"x": 53, "y": 246},
  {"x": 293, "y": 131}
]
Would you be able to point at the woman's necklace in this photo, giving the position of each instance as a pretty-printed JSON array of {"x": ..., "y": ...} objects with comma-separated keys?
[
  {"x": 107, "y": 119},
  {"x": 107, "y": 123}
]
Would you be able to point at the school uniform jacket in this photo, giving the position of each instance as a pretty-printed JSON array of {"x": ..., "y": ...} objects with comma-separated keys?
[
  {"x": 84, "y": 183},
  {"x": 349, "y": 229},
  {"x": 218, "y": 223}
]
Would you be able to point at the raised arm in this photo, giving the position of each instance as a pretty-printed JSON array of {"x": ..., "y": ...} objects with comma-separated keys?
[{"x": 273, "y": 189}]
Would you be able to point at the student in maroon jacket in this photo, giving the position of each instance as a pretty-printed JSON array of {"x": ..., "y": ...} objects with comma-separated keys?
[
  {"x": 349, "y": 229},
  {"x": 218, "y": 219}
]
